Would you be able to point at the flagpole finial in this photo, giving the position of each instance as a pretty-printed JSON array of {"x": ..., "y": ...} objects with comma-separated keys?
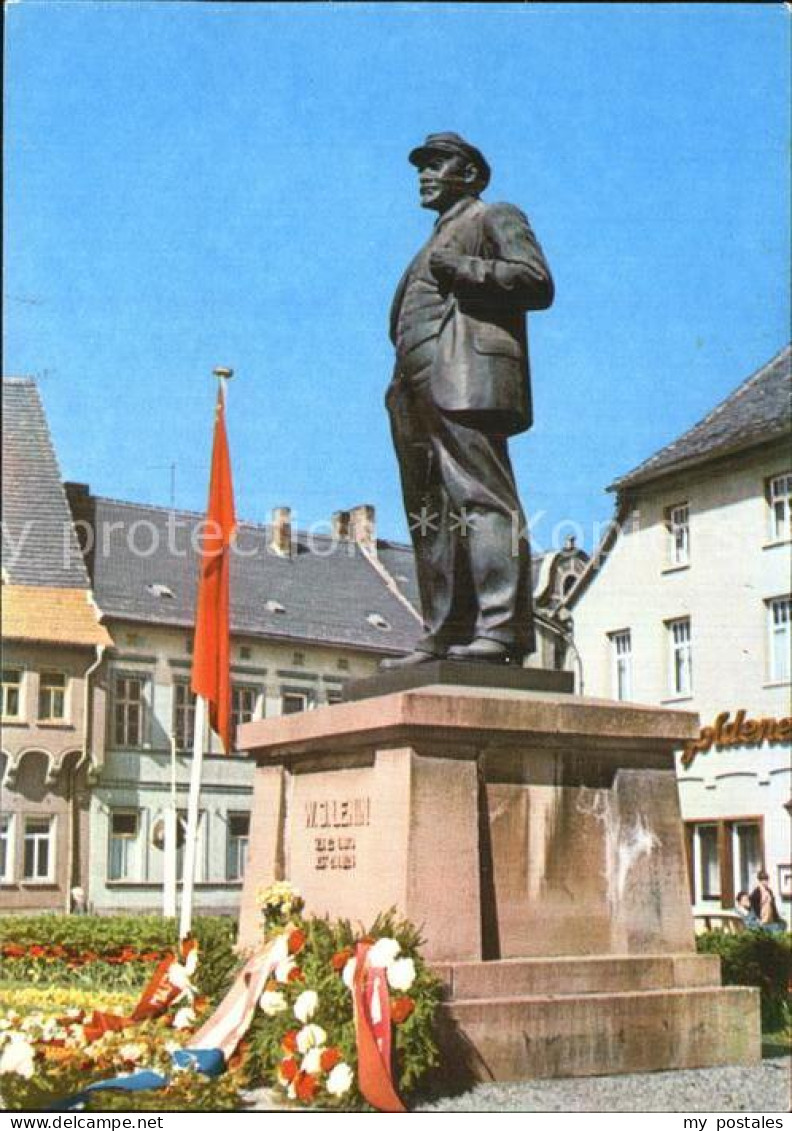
[{"x": 222, "y": 372}]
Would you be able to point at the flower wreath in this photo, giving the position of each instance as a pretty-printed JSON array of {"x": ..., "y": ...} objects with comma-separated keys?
[{"x": 346, "y": 1018}]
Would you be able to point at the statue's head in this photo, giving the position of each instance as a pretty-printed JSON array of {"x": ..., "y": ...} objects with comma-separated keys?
[{"x": 448, "y": 169}]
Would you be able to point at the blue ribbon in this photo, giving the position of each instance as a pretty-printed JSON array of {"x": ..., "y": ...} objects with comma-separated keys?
[{"x": 209, "y": 1062}]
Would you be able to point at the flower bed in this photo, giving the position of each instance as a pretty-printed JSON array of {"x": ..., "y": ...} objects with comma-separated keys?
[
  {"x": 45, "y": 1057},
  {"x": 102, "y": 952}
]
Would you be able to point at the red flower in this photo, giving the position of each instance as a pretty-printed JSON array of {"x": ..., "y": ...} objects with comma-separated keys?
[
  {"x": 37, "y": 951},
  {"x": 288, "y": 1069},
  {"x": 289, "y": 1041},
  {"x": 306, "y": 1086},
  {"x": 296, "y": 941},
  {"x": 329, "y": 1059},
  {"x": 296, "y": 975},
  {"x": 340, "y": 959},
  {"x": 401, "y": 1009},
  {"x": 14, "y": 951}
]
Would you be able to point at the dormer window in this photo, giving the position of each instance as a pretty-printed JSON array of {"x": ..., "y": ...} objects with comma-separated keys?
[
  {"x": 157, "y": 589},
  {"x": 376, "y": 620}
]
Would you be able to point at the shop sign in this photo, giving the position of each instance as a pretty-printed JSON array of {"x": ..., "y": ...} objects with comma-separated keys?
[{"x": 741, "y": 731}]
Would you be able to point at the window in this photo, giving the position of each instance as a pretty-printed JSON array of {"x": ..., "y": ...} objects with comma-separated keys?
[
  {"x": 621, "y": 664},
  {"x": 237, "y": 845},
  {"x": 709, "y": 876},
  {"x": 678, "y": 527},
  {"x": 680, "y": 679},
  {"x": 52, "y": 697},
  {"x": 723, "y": 858},
  {"x": 243, "y": 703},
  {"x": 183, "y": 716},
  {"x": 122, "y": 854},
  {"x": 780, "y": 630},
  {"x": 38, "y": 848},
  {"x": 298, "y": 659},
  {"x": 12, "y": 693},
  {"x": 294, "y": 701},
  {"x": 779, "y": 497},
  {"x": 6, "y": 848},
  {"x": 129, "y": 707},
  {"x": 747, "y": 852},
  {"x": 342, "y": 664}
]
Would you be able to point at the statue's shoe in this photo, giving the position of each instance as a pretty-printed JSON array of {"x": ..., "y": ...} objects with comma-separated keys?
[
  {"x": 484, "y": 651},
  {"x": 408, "y": 661}
]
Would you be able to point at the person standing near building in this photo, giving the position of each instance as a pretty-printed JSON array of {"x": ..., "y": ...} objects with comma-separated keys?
[{"x": 763, "y": 904}]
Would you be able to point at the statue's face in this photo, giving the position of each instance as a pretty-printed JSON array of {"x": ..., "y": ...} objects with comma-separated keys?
[{"x": 445, "y": 179}]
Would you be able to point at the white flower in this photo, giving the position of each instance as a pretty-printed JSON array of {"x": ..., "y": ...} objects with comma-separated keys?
[
  {"x": 339, "y": 1080},
  {"x": 76, "y": 1036},
  {"x": 348, "y": 974},
  {"x": 131, "y": 1052},
  {"x": 283, "y": 969},
  {"x": 272, "y": 1002},
  {"x": 17, "y": 1056},
  {"x": 401, "y": 973},
  {"x": 306, "y": 1005},
  {"x": 312, "y": 1061},
  {"x": 383, "y": 952},
  {"x": 309, "y": 1037},
  {"x": 185, "y": 1017}
]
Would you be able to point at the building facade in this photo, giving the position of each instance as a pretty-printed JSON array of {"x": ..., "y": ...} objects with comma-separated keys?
[
  {"x": 52, "y": 717},
  {"x": 687, "y": 603}
]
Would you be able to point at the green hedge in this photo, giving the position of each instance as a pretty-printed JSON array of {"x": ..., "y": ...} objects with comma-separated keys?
[
  {"x": 110, "y": 952},
  {"x": 755, "y": 958}
]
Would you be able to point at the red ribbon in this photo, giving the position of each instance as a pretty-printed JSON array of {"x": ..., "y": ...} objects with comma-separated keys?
[
  {"x": 155, "y": 1000},
  {"x": 371, "y": 1002}
]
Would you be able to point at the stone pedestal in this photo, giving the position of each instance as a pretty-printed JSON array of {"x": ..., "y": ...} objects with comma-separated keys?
[{"x": 514, "y": 827}]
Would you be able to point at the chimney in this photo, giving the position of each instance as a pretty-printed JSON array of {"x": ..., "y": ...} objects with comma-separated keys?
[
  {"x": 280, "y": 542},
  {"x": 340, "y": 526},
  {"x": 363, "y": 527}
]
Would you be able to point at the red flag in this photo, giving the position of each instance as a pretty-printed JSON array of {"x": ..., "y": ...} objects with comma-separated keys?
[{"x": 211, "y": 669}]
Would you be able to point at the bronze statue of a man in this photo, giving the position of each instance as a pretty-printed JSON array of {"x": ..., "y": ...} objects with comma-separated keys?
[{"x": 461, "y": 386}]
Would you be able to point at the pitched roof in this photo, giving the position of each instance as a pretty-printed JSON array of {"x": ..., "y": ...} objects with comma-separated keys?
[
  {"x": 51, "y": 615},
  {"x": 760, "y": 409},
  {"x": 39, "y": 543},
  {"x": 145, "y": 568}
]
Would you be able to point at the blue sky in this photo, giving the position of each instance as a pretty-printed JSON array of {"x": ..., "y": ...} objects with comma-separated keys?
[{"x": 190, "y": 185}]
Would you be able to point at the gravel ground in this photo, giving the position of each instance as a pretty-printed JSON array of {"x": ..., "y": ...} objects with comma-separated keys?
[{"x": 764, "y": 1088}]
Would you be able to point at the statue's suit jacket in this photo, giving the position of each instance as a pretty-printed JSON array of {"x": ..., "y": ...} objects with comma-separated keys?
[{"x": 481, "y": 371}]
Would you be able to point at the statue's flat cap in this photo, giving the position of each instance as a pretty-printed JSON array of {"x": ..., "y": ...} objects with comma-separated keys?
[{"x": 452, "y": 145}]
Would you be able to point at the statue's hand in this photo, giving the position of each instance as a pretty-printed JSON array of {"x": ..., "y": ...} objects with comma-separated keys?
[{"x": 443, "y": 264}]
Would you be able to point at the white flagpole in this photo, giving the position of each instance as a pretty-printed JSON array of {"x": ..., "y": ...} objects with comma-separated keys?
[
  {"x": 170, "y": 846},
  {"x": 191, "y": 841},
  {"x": 190, "y": 845}
]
